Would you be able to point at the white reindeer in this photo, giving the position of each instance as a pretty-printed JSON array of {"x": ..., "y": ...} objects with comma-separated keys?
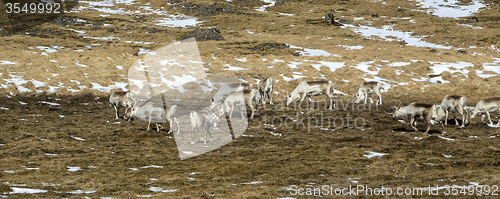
[
  {"x": 205, "y": 119},
  {"x": 417, "y": 110},
  {"x": 266, "y": 88},
  {"x": 366, "y": 90},
  {"x": 157, "y": 113},
  {"x": 308, "y": 89},
  {"x": 248, "y": 97},
  {"x": 121, "y": 99},
  {"x": 226, "y": 89},
  {"x": 454, "y": 104},
  {"x": 484, "y": 107}
]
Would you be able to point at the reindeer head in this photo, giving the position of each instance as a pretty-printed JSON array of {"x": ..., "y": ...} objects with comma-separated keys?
[
  {"x": 439, "y": 113},
  {"x": 133, "y": 110},
  {"x": 358, "y": 97},
  {"x": 397, "y": 111},
  {"x": 291, "y": 98},
  {"x": 474, "y": 113}
]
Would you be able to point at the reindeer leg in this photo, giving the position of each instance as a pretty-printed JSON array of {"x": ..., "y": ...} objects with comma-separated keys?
[
  {"x": 489, "y": 119},
  {"x": 192, "y": 136},
  {"x": 442, "y": 127},
  {"x": 206, "y": 134},
  {"x": 466, "y": 116},
  {"x": 370, "y": 96},
  {"x": 270, "y": 97},
  {"x": 157, "y": 128},
  {"x": 446, "y": 117},
  {"x": 310, "y": 102},
  {"x": 149, "y": 123},
  {"x": 379, "y": 99},
  {"x": 210, "y": 133},
  {"x": 170, "y": 125},
  {"x": 251, "y": 116},
  {"x": 498, "y": 119},
  {"x": 428, "y": 127},
  {"x": 463, "y": 118},
  {"x": 116, "y": 111},
  {"x": 302, "y": 99},
  {"x": 178, "y": 129},
  {"x": 427, "y": 117},
  {"x": 413, "y": 120},
  {"x": 241, "y": 111},
  {"x": 205, "y": 139},
  {"x": 128, "y": 119},
  {"x": 455, "y": 117},
  {"x": 231, "y": 112}
]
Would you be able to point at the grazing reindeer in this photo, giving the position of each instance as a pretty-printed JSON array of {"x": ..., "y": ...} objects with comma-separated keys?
[
  {"x": 226, "y": 90},
  {"x": 308, "y": 89},
  {"x": 205, "y": 119},
  {"x": 415, "y": 111},
  {"x": 157, "y": 113},
  {"x": 249, "y": 97},
  {"x": 266, "y": 88},
  {"x": 484, "y": 107},
  {"x": 121, "y": 99},
  {"x": 366, "y": 90},
  {"x": 455, "y": 104}
]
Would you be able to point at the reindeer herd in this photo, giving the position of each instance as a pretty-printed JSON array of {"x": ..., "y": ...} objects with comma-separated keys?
[{"x": 231, "y": 96}]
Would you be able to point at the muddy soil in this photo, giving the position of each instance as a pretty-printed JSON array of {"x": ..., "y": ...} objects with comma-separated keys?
[{"x": 120, "y": 159}]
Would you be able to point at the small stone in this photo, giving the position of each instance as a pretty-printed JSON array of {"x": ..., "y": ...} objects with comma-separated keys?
[
  {"x": 472, "y": 19},
  {"x": 329, "y": 18},
  {"x": 343, "y": 21},
  {"x": 153, "y": 30}
]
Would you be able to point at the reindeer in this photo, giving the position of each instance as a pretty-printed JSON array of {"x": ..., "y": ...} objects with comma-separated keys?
[
  {"x": 155, "y": 112},
  {"x": 226, "y": 89},
  {"x": 205, "y": 119},
  {"x": 415, "y": 111},
  {"x": 308, "y": 89},
  {"x": 484, "y": 107},
  {"x": 121, "y": 99},
  {"x": 266, "y": 88},
  {"x": 455, "y": 104},
  {"x": 248, "y": 97},
  {"x": 366, "y": 90}
]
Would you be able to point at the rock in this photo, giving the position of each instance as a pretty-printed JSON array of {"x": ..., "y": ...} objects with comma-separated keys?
[
  {"x": 343, "y": 21},
  {"x": 204, "y": 35},
  {"x": 472, "y": 19},
  {"x": 153, "y": 30},
  {"x": 329, "y": 19},
  {"x": 97, "y": 23},
  {"x": 462, "y": 52},
  {"x": 433, "y": 51},
  {"x": 111, "y": 30},
  {"x": 279, "y": 2}
]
